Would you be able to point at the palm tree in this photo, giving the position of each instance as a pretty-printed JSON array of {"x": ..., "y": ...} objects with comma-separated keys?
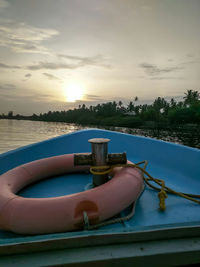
[
  {"x": 114, "y": 104},
  {"x": 10, "y": 114},
  {"x": 172, "y": 103},
  {"x": 159, "y": 103},
  {"x": 130, "y": 106},
  {"x": 191, "y": 97},
  {"x": 136, "y": 99},
  {"x": 120, "y": 103}
]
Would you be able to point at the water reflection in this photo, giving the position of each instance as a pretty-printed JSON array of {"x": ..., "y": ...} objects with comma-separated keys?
[{"x": 17, "y": 133}]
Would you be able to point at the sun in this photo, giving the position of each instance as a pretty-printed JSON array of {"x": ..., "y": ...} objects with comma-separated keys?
[{"x": 73, "y": 92}]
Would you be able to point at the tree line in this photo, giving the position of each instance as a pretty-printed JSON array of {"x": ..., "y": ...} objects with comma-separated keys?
[{"x": 160, "y": 112}]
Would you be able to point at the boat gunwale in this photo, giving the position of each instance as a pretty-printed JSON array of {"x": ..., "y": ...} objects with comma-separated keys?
[{"x": 49, "y": 242}]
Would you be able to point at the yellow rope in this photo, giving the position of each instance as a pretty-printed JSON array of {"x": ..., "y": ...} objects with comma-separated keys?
[
  {"x": 163, "y": 190},
  {"x": 162, "y": 195}
]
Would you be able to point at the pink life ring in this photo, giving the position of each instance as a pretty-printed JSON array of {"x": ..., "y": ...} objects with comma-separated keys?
[{"x": 65, "y": 213}]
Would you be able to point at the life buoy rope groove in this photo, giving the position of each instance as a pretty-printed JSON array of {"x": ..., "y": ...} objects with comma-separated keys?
[{"x": 64, "y": 213}]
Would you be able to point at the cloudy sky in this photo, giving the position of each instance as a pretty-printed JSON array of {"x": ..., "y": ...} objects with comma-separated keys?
[{"x": 57, "y": 54}]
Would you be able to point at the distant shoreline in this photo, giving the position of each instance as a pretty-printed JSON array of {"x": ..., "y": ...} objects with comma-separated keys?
[{"x": 161, "y": 114}]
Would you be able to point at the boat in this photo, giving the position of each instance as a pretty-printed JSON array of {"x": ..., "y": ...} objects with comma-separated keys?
[{"x": 151, "y": 237}]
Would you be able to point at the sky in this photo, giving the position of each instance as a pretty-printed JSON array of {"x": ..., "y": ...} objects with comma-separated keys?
[{"x": 59, "y": 54}]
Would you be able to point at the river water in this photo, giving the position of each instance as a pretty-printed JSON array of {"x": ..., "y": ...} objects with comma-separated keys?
[{"x": 17, "y": 133}]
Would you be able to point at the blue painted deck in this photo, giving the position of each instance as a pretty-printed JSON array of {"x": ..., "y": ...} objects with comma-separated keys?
[{"x": 176, "y": 164}]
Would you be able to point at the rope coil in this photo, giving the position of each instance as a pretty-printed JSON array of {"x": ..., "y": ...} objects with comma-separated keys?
[
  {"x": 163, "y": 190},
  {"x": 162, "y": 195}
]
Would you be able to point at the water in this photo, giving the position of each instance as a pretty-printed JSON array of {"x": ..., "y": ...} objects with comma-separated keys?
[{"x": 17, "y": 133}]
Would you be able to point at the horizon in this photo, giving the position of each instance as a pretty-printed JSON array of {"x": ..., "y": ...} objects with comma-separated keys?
[
  {"x": 57, "y": 55},
  {"x": 136, "y": 103}
]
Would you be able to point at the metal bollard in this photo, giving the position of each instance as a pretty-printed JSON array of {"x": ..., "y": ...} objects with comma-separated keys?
[{"x": 99, "y": 157}]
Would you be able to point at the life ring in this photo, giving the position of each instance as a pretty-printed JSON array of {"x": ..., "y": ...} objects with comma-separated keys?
[{"x": 65, "y": 213}]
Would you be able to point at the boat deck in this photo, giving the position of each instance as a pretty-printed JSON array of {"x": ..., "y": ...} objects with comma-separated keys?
[{"x": 176, "y": 164}]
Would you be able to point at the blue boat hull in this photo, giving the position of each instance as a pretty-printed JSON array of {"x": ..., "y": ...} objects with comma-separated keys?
[{"x": 177, "y": 165}]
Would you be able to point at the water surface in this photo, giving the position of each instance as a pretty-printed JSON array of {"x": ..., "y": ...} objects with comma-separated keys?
[{"x": 17, "y": 133}]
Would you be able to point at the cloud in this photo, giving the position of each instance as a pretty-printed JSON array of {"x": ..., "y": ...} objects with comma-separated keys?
[
  {"x": 190, "y": 55},
  {"x": 73, "y": 62},
  {"x": 153, "y": 70},
  {"x": 70, "y": 62},
  {"x": 4, "y": 4},
  {"x": 28, "y": 75},
  {"x": 92, "y": 97},
  {"x": 6, "y": 66},
  {"x": 167, "y": 78},
  {"x": 25, "y": 38},
  {"x": 97, "y": 60},
  {"x": 186, "y": 60},
  {"x": 5, "y": 20},
  {"x": 189, "y": 62},
  {"x": 12, "y": 93},
  {"x": 51, "y": 66},
  {"x": 7, "y": 87},
  {"x": 147, "y": 7},
  {"x": 50, "y": 76}
]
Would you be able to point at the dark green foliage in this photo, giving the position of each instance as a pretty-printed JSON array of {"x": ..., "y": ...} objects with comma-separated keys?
[
  {"x": 159, "y": 114},
  {"x": 185, "y": 114},
  {"x": 10, "y": 114}
]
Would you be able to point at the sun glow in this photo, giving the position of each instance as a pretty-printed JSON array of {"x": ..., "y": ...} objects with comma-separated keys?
[{"x": 73, "y": 92}]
